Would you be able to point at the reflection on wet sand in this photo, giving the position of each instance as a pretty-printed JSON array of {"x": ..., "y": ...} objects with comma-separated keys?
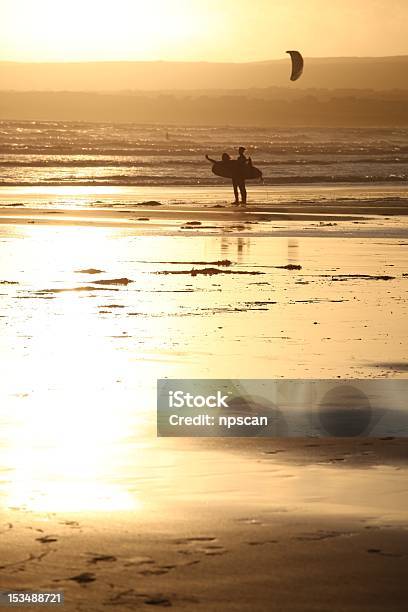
[{"x": 91, "y": 358}]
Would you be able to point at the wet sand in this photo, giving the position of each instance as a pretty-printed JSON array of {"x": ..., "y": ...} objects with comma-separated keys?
[
  {"x": 213, "y": 529},
  {"x": 282, "y": 307},
  {"x": 92, "y": 503},
  {"x": 320, "y": 210},
  {"x": 334, "y": 218}
]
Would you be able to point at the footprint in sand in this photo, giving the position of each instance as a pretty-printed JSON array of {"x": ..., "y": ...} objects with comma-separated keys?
[
  {"x": 322, "y": 535},
  {"x": 279, "y": 509},
  {"x": 132, "y": 599},
  {"x": 158, "y": 601},
  {"x": 135, "y": 561},
  {"x": 201, "y": 544},
  {"x": 157, "y": 571},
  {"x": 262, "y": 542},
  {"x": 47, "y": 539},
  {"x": 73, "y": 524},
  {"x": 378, "y": 551},
  {"x": 196, "y": 539},
  {"x": 83, "y": 578},
  {"x": 100, "y": 558},
  {"x": 148, "y": 566},
  {"x": 249, "y": 521},
  {"x": 213, "y": 551}
]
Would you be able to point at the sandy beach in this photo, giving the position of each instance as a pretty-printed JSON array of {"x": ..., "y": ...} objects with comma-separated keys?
[{"x": 94, "y": 504}]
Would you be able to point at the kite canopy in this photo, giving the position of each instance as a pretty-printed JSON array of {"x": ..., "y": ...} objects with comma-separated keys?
[{"x": 297, "y": 65}]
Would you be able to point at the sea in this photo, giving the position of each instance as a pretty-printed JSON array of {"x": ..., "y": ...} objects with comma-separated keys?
[{"x": 38, "y": 153}]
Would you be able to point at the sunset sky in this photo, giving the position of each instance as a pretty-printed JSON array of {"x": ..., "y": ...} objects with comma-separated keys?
[{"x": 187, "y": 30}]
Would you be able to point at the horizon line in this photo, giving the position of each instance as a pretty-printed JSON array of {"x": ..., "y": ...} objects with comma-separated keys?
[{"x": 163, "y": 61}]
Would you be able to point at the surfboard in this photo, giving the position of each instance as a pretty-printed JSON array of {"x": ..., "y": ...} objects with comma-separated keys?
[{"x": 233, "y": 168}]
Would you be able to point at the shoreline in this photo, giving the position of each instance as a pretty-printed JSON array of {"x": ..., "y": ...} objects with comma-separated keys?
[
  {"x": 201, "y": 220},
  {"x": 349, "y": 211}
]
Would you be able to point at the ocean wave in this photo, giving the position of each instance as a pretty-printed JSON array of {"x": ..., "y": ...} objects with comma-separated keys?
[
  {"x": 188, "y": 163},
  {"x": 150, "y": 181},
  {"x": 257, "y": 150}
]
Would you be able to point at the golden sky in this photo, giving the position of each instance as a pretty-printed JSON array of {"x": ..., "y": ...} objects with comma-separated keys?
[{"x": 187, "y": 30}]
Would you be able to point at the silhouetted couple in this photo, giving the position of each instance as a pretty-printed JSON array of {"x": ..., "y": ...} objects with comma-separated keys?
[{"x": 235, "y": 169}]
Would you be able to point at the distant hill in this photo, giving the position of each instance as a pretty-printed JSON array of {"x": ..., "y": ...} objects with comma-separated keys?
[
  {"x": 381, "y": 73},
  {"x": 262, "y": 107}
]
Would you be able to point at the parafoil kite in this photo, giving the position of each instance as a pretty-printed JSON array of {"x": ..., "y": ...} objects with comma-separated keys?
[{"x": 297, "y": 65}]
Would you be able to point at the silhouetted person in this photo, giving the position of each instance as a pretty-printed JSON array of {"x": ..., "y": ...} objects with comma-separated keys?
[
  {"x": 241, "y": 155},
  {"x": 237, "y": 175},
  {"x": 226, "y": 160},
  {"x": 238, "y": 182},
  {"x": 224, "y": 157}
]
